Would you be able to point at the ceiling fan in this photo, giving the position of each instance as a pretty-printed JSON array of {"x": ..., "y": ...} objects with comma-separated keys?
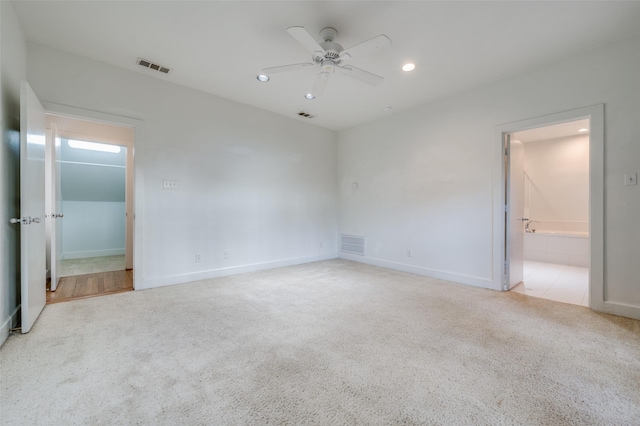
[{"x": 329, "y": 56}]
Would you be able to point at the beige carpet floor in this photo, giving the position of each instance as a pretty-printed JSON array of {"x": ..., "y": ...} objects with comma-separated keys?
[{"x": 328, "y": 343}]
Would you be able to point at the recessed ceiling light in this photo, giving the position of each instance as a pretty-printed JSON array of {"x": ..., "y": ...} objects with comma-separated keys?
[
  {"x": 583, "y": 130},
  {"x": 93, "y": 146},
  {"x": 408, "y": 67},
  {"x": 387, "y": 108},
  {"x": 309, "y": 96},
  {"x": 263, "y": 78}
]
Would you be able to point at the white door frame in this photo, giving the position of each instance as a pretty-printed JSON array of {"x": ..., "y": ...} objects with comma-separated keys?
[
  {"x": 53, "y": 210},
  {"x": 595, "y": 114},
  {"x": 514, "y": 229},
  {"x": 134, "y": 209}
]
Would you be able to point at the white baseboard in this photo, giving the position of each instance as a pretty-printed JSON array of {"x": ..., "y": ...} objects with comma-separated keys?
[
  {"x": 619, "y": 309},
  {"x": 92, "y": 253},
  {"x": 419, "y": 270},
  {"x": 8, "y": 324},
  {"x": 147, "y": 283}
]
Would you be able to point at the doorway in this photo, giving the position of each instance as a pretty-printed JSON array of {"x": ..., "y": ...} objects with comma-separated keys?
[
  {"x": 90, "y": 238},
  {"x": 539, "y": 236},
  {"x": 549, "y": 194}
]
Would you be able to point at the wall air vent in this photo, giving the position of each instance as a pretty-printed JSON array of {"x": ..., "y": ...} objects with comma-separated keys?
[
  {"x": 151, "y": 65},
  {"x": 305, "y": 115},
  {"x": 352, "y": 244}
]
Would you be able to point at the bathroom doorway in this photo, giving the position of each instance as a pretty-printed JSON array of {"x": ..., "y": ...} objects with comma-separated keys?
[
  {"x": 553, "y": 183},
  {"x": 551, "y": 218}
]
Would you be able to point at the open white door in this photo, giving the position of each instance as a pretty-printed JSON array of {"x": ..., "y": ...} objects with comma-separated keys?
[
  {"x": 33, "y": 293},
  {"x": 515, "y": 211},
  {"x": 54, "y": 205}
]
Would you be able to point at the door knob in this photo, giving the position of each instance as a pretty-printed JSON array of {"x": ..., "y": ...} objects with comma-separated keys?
[
  {"x": 24, "y": 220},
  {"x": 59, "y": 215}
]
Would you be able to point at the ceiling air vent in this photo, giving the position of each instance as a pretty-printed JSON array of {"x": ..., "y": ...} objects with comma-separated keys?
[
  {"x": 305, "y": 114},
  {"x": 151, "y": 65}
]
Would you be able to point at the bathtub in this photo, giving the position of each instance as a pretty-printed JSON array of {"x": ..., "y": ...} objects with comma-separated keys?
[{"x": 561, "y": 247}]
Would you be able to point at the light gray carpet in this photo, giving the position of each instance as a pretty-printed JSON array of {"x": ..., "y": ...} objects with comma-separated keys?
[
  {"x": 328, "y": 343},
  {"x": 91, "y": 265}
]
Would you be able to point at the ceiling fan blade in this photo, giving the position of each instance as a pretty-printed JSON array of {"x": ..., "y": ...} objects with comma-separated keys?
[
  {"x": 320, "y": 84},
  {"x": 283, "y": 68},
  {"x": 362, "y": 75},
  {"x": 305, "y": 39},
  {"x": 368, "y": 47}
]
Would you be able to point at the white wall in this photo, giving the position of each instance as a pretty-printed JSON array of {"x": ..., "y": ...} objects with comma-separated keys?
[
  {"x": 13, "y": 69},
  {"x": 557, "y": 188},
  {"x": 255, "y": 184},
  {"x": 93, "y": 228},
  {"x": 425, "y": 176}
]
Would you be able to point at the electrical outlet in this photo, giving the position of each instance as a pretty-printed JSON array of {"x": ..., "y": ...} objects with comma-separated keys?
[
  {"x": 226, "y": 254},
  {"x": 169, "y": 184},
  {"x": 630, "y": 179},
  {"x": 198, "y": 257}
]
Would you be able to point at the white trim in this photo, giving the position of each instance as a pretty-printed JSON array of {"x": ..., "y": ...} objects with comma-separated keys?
[
  {"x": 146, "y": 283},
  {"x": 595, "y": 114},
  {"x": 93, "y": 253},
  {"x": 420, "y": 270},
  {"x": 134, "y": 172},
  {"x": 8, "y": 324},
  {"x": 620, "y": 309}
]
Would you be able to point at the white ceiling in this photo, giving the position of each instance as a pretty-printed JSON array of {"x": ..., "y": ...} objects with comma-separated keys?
[
  {"x": 570, "y": 128},
  {"x": 220, "y": 46}
]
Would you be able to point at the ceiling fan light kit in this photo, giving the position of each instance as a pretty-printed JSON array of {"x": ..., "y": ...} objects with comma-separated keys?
[{"x": 329, "y": 56}]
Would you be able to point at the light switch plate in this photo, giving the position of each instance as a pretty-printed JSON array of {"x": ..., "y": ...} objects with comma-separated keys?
[
  {"x": 630, "y": 179},
  {"x": 169, "y": 184}
]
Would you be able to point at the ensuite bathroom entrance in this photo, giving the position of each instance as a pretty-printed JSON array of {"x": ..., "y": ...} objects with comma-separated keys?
[{"x": 547, "y": 189}]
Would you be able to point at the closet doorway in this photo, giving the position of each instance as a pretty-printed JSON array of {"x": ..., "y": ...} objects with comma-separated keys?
[{"x": 90, "y": 208}]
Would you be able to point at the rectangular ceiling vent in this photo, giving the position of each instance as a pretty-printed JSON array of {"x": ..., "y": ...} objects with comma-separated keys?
[
  {"x": 305, "y": 115},
  {"x": 352, "y": 244},
  {"x": 151, "y": 65}
]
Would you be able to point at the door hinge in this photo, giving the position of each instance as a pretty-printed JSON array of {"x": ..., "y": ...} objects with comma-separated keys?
[
  {"x": 505, "y": 276},
  {"x": 506, "y": 208},
  {"x": 506, "y": 151}
]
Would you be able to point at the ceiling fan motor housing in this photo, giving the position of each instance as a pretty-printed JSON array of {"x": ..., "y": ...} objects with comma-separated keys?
[{"x": 330, "y": 57}]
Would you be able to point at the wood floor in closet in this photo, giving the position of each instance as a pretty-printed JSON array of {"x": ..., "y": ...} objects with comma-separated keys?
[{"x": 91, "y": 285}]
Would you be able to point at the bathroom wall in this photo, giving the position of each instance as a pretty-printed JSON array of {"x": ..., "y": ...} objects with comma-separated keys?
[{"x": 557, "y": 184}]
